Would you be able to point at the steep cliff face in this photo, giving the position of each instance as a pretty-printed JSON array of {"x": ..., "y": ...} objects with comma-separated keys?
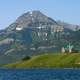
[{"x": 36, "y": 24}]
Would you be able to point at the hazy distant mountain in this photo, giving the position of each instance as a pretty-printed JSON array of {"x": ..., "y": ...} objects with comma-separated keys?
[{"x": 69, "y": 26}]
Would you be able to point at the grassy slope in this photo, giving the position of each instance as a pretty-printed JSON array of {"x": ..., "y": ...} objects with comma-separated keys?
[{"x": 49, "y": 61}]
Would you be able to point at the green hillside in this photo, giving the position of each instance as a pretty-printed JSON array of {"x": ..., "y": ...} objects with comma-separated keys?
[{"x": 49, "y": 61}]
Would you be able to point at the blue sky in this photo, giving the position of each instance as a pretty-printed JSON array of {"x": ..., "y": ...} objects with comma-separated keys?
[{"x": 65, "y": 10}]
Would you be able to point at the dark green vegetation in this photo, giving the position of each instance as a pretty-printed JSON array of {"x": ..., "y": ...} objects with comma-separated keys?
[
  {"x": 26, "y": 58},
  {"x": 49, "y": 61}
]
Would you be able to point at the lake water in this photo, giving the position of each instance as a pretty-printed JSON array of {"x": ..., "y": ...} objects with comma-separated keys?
[{"x": 39, "y": 74}]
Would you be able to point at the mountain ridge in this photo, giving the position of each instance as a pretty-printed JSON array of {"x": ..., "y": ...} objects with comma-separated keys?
[{"x": 36, "y": 16}]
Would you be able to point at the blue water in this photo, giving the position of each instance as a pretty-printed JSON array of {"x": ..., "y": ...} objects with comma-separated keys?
[{"x": 39, "y": 74}]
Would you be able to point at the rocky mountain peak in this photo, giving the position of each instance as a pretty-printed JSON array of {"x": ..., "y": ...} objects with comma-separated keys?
[{"x": 31, "y": 18}]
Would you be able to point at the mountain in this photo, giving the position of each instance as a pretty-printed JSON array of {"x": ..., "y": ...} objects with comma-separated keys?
[
  {"x": 33, "y": 33},
  {"x": 69, "y": 26}
]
